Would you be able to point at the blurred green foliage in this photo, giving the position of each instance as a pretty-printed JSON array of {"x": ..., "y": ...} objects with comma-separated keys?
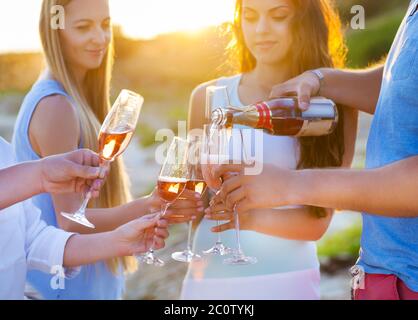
[
  {"x": 372, "y": 44},
  {"x": 342, "y": 243},
  {"x": 146, "y": 134},
  {"x": 372, "y": 8}
]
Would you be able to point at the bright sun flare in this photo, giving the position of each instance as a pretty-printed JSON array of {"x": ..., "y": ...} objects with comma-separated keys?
[
  {"x": 145, "y": 18},
  {"x": 139, "y": 19}
]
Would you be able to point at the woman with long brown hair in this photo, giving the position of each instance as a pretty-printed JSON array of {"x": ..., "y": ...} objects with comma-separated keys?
[
  {"x": 62, "y": 112},
  {"x": 274, "y": 40}
]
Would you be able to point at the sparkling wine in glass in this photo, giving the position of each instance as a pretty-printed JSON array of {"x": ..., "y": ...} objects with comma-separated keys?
[
  {"x": 196, "y": 183},
  {"x": 114, "y": 137},
  {"x": 171, "y": 183}
]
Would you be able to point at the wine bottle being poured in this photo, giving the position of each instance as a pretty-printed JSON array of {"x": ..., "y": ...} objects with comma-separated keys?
[{"x": 282, "y": 117}]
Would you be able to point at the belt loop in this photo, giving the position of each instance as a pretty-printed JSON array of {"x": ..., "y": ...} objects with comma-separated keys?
[{"x": 358, "y": 280}]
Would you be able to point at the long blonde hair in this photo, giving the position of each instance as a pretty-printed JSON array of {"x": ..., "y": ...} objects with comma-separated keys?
[{"x": 92, "y": 107}]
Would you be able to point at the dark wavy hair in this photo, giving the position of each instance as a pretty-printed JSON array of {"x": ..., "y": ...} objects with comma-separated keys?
[{"x": 318, "y": 42}]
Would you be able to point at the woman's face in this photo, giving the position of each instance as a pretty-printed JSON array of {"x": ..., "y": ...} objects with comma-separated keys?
[
  {"x": 87, "y": 33},
  {"x": 266, "y": 29}
]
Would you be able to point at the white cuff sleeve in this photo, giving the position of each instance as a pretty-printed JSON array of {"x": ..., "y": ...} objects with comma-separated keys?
[{"x": 45, "y": 245}]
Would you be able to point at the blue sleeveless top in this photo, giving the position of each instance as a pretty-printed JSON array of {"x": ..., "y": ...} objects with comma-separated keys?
[{"x": 94, "y": 282}]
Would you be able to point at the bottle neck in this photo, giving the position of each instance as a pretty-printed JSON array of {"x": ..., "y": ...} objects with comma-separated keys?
[
  {"x": 264, "y": 115},
  {"x": 230, "y": 117}
]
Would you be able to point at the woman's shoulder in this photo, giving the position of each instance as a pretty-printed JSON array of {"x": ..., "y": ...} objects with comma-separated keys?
[
  {"x": 46, "y": 103},
  {"x": 56, "y": 107},
  {"x": 46, "y": 86},
  {"x": 40, "y": 90},
  {"x": 49, "y": 98},
  {"x": 55, "y": 111},
  {"x": 54, "y": 125}
]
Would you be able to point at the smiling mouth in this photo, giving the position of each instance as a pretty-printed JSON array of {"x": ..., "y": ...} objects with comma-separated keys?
[
  {"x": 265, "y": 44},
  {"x": 96, "y": 52}
]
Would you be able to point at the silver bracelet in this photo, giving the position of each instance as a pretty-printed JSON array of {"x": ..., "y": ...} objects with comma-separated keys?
[{"x": 318, "y": 73}]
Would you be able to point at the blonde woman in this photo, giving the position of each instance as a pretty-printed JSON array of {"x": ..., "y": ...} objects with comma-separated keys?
[{"x": 62, "y": 112}]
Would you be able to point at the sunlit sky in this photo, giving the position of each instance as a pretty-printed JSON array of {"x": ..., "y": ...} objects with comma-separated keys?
[{"x": 139, "y": 19}]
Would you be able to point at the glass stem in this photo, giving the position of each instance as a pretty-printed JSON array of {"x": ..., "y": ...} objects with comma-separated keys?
[
  {"x": 87, "y": 197},
  {"x": 83, "y": 206},
  {"x": 189, "y": 237},
  {"x": 236, "y": 216},
  {"x": 219, "y": 241},
  {"x": 164, "y": 210},
  {"x": 237, "y": 232}
]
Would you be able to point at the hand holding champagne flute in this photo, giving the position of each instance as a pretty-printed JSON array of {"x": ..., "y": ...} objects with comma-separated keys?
[
  {"x": 114, "y": 137},
  {"x": 197, "y": 184},
  {"x": 223, "y": 152},
  {"x": 171, "y": 183}
]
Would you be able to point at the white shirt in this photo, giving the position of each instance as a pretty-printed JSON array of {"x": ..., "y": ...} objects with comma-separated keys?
[{"x": 26, "y": 242}]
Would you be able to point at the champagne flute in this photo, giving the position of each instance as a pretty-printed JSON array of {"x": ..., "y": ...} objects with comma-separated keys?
[
  {"x": 197, "y": 184},
  {"x": 239, "y": 258},
  {"x": 215, "y": 152},
  {"x": 114, "y": 137},
  {"x": 172, "y": 181}
]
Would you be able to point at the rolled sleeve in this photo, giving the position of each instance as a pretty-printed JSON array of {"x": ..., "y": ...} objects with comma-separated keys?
[{"x": 45, "y": 245}]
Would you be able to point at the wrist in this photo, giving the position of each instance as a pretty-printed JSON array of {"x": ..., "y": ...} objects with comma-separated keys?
[
  {"x": 126, "y": 212},
  {"x": 152, "y": 203},
  {"x": 298, "y": 186},
  {"x": 319, "y": 75},
  {"x": 327, "y": 73},
  {"x": 36, "y": 170},
  {"x": 117, "y": 248}
]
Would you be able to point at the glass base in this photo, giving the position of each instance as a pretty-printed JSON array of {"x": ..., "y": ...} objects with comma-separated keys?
[
  {"x": 219, "y": 249},
  {"x": 150, "y": 259},
  {"x": 240, "y": 260},
  {"x": 79, "y": 218},
  {"x": 186, "y": 256}
]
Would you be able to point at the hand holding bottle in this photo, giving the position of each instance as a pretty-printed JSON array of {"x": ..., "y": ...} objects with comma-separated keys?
[{"x": 303, "y": 86}]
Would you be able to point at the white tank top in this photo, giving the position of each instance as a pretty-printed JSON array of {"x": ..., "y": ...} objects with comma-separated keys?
[{"x": 275, "y": 255}]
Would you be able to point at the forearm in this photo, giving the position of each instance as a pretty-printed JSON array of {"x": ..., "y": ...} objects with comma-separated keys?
[
  {"x": 356, "y": 89},
  {"x": 87, "y": 249},
  {"x": 388, "y": 191},
  {"x": 108, "y": 219},
  {"x": 19, "y": 182},
  {"x": 293, "y": 224}
]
